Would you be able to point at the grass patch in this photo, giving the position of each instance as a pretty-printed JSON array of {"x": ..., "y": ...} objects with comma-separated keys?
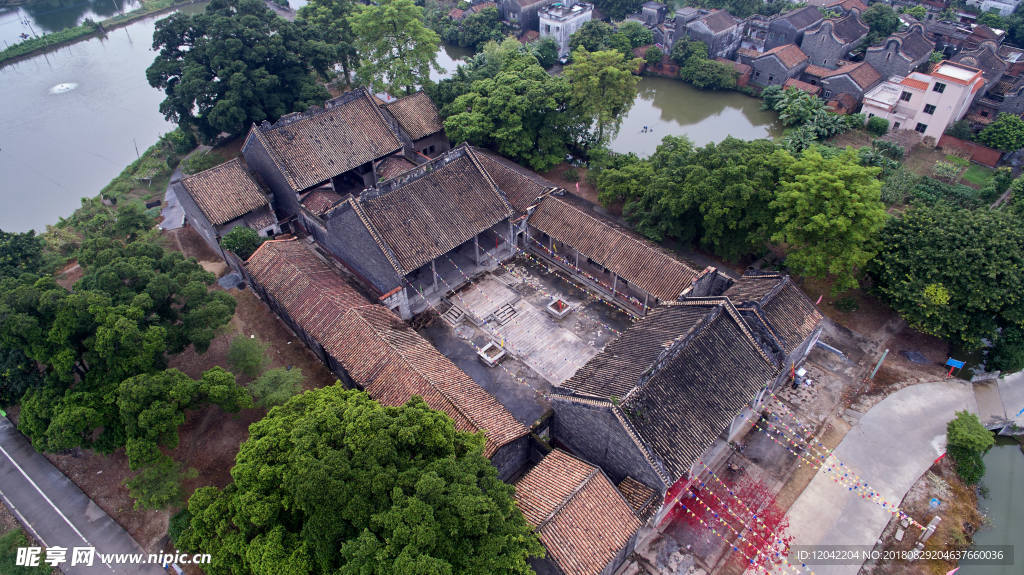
[{"x": 978, "y": 176}]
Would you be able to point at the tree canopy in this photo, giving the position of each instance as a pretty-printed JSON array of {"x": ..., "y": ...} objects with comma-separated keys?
[
  {"x": 20, "y": 253},
  {"x": 242, "y": 240},
  {"x": 332, "y": 482},
  {"x": 396, "y": 49},
  {"x": 327, "y": 23},
  {"x": 1006, "y": 133},
  {"x": 234, "y": 64},
  {"x": 829, "y": 212},
  {"x": 967, "y": 440},
  {"x": 638, "y": 34},
  {"x": 603, "y": 88},
  {"x": 975, "y": 257},
  {"x": 882, "y": 20}
]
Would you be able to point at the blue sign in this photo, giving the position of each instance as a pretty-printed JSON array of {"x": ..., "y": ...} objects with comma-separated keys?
[{"x": 955, "y": 363}]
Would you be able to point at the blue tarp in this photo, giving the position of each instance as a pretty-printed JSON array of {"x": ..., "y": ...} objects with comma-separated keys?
[{"x": 955, "y": 363}]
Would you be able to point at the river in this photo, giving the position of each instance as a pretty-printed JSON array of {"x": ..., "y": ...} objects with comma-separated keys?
[
  {"x": 1004, "y": 506},
  {"x": 44, "y": 16},
  {"x": 672, "y": 107}
]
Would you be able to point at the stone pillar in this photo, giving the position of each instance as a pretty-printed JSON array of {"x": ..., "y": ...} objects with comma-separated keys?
[
  {"x": 577, "y": 259},
  {"x": 615, "y": 282},
  {"x": 646, "y": 295},
  {"x": 476, "y": 246},
  {"x": 433, "y": 271}
]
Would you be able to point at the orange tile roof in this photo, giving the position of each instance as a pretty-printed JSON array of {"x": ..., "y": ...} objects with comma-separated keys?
[
  {"x": 580, "y": 517},
  {"x": 377, "y": 349},
  {"x": 416, "y": 114},
  {"x": 918, "y": 84},
  {"x": 637, "y": 261},
  {"x": 320, "y": 200},
  {"x": 789, "y": 54},
  {"x": 225, "y": 192},
  {"x": 800, "y": 85}
]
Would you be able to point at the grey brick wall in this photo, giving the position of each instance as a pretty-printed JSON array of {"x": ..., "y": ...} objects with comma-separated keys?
[{"x": 286, "y": 201}]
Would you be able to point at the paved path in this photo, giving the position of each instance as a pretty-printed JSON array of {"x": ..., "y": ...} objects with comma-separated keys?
[
  {"x": 173, "y": 213},
  {"x": 890, "y": 448},
  {"x": 57, "y": 511}
]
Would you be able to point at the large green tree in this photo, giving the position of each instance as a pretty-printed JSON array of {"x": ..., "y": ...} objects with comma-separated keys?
[
  {"x": 956, "y": 274},
  {"x": 603, "y": 89},
  {"x": 20, "y": 253},
  {"x": 521, "y": 111},
  {"x": 882, "y": 20},
  {"x": 331, "y": 482},
  {"x": 967, "y": 440},
  {"x": 396, "y": 49},
  {"x": 1006, "y": 133},
  {"x": 327, "y": 22},
  {"x": 234, "y": 64},
  {"x": 638, "y": 34},
  {"x": 829, "y": 215}
]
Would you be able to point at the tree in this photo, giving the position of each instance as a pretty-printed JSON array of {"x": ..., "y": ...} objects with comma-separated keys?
[
  {"x": 328, "y": 24},
  {"x": 10, "y": 542},
  {"x": 593, "y": 35},
  {"x": 242, "y": 240},
  {"x": 248, "y": 355},
  {"x": 603, "y": 88},
  {"x": 882, "y": 20},
  {"x": 620, "y": 177},
  {"x": 961, "y": 129},
  {"x": 653, "y": 56},
  {"x": 918, "y": 12},
  {"x": 230, "y": 66},
  {"x": 707, "y": 74},
  {"x": 1006, "y": 133},
  {"x": 276, "y": 386},
  {"x": 829, "y": 216},
  {"x": 546, "y": 52},
  {"x": 395, "y": 48},
  {"x": 17, "y": 375},
  {"x": 878, "y": 126},
  {"x": 20, "y": 253},
  {"x": 332, "y": 482},
  {"x": 522, "y": 112},
  {"x": 638, "y": 34},
  {"x": 617, "y": 9},
  {"x": 967, "y": 440},
  {"x": 975, "y": 255}
]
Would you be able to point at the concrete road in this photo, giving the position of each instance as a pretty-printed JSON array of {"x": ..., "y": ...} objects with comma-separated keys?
[
  {"x": 58, "y": 513},
  {"x": 890, "y": 448}
]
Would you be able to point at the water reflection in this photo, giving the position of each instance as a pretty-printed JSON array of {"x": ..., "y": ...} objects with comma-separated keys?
[
  {"x": 45, "y": 16},
  {"x": 671, "y": 107},
  {"x": 449, "y": 57}
]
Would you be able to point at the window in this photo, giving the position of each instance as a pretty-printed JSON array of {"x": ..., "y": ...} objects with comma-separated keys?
[
  {"x": 870, "y": 115},
  {"x": 939, "y": 87},
  {"x": 896, "y": 126},
  {"x": 929, "y": 109},
  {"x": 827, "y": 94},
  {"x": 905, "y": 96},
  {"x": 771, "y": 78},
  {"x": 757, "y": 74},
  {"x": 984, "y": 113},
  {"x": 920, "y": 127}
]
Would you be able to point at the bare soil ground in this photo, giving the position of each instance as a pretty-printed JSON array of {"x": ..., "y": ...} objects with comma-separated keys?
[
  {"x": 209, "y": 438},
  {"x": 587, "y": 191}
]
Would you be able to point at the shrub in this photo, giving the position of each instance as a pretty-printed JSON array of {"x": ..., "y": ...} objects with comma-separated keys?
[
  {"x": 572, "y": 175},
  {"x": 890, "y": 149},
  {"x": 242, "y": 240},
  {"x": 200, "y": 161},
  {"x": 878, "y": 126},
  {"x": 946, "y": 171},
  {"x": 653, "y": 56},
  {"x": 846, "y": 304},
  {"x": 276, "y": 386},
  {"x": 967, "y": 440},
  {"x": 247, "y": 355}
]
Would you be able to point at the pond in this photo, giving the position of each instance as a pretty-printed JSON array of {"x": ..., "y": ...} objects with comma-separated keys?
[
  {"x": 1004, "y": 506},
  {"x": 40, "y": 17},
  {"x": 72, "y": 120},
  {"x": 672, "y": 107}
]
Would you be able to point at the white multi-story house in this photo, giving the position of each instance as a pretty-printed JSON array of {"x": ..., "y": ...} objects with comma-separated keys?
[
  {"x": 926, "y": 103},
  {"x": 1004, "y": 7},
  {"x": 560, "y": 19}
]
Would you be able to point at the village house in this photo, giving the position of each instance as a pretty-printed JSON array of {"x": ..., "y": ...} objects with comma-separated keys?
[
  {"x": 631, "y": 272},
  {"x": 561, "y": 19},
  {"x": 926, "y": 103},
  {"x": 370, "y": 348},
  {"x": 831, "y": 41},
  {"x": 417, "y": 118},
  {"x": 719, "y": 31},
  {"x": 587, "y": 526},
  {"x": 415, "y": 237},
  {"x": 1002, "y": 7},
  {"x": 653, "y": 13},
  {"x": 335, "y": 146},
  {"x": 655, "y": 401},
  {"x": 789, "y": 28},
  {"x": 522, "y": 14},
  {"x": 901, "y": 53},
  {"x": 223, "y": 197},
  {"x": 843, "y": 7},
  {"x": 777, "y": 65},
  {"x": 852, "y": 79},
  {"x": 949, "y": 37}
]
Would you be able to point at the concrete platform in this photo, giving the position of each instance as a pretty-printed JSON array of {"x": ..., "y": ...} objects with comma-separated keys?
[
  {"x": 485, "y": 296},
  {"x": 536, "y": 338}
]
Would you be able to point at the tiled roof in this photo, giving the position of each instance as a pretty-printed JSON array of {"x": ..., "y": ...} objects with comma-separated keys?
[
  {"x": 719, "y": 21},
  {"x": 320, "y": 200},
  {"x": 786, "y": 309},
  {"x": 392, "y": 166},
  {"x": 319, "y": 144},
  {"x": 862, "y": 73},
  {"x": 416, "y": 114},
  {"x": 260, "y": 218},
  {"x": 800, "y": 85},
  {"x": 637, "y": 261},
  {"x": 914, "y": 83},
  {"x": 688, "y": 401},
  {"x": 639, "y": 496},
  {"x": 225, "y": 192},
  {"x": 849, "y": 28},
  {"x": 420, "y": 218},
  {"x": 819, "y": 71},
  {"x": 520, "y": 186},
  {"x": 802, "y": 17},
  {"x": 985, "y": 58},
  {"x": 379, "y": 351},
  {"x": 577, "y": 513},
  {"x": 789, "y": 54},
  {"x": 680, "y": 375}
]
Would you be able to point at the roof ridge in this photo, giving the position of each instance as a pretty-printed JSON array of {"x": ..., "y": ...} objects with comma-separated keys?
[
  {"x": 736, "y": 317},
  {"x": 267, "y": 243},
  {"x": 357, "y": 208},
  {"x": 628, "y": 426},
  {"x": 593, "y": 471},
  {"x": 494, "y": 186},
  {"x": 412, "y": 365},
  {"x": 275, "y": 156}
]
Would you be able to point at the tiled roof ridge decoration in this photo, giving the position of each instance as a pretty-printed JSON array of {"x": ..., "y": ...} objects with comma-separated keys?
[{"x": 223, "y": 201}]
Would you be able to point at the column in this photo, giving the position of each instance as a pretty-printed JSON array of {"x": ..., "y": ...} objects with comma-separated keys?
[
  {"x": 476, "y": 246},
  {"x": 615, "y": 282},
  {"x": 433, "y": 271},
  {"x": 577, "y": 259},
  {"x": 646, "y": 295}
]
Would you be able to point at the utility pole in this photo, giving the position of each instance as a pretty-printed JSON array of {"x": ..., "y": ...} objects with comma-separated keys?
[{"x": 139, "y": 157}]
